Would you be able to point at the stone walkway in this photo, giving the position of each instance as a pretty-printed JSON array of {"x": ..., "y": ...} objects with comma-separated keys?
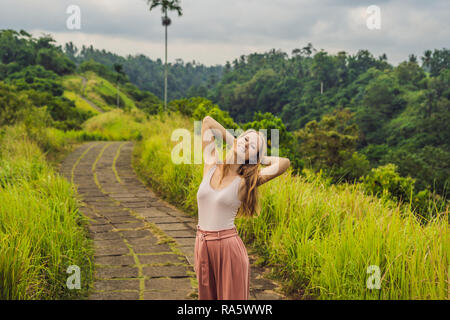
[{"x": 144, "y": 246}]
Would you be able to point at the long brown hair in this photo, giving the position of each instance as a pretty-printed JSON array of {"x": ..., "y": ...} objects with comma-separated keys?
[{"x": 250, "y": 172}]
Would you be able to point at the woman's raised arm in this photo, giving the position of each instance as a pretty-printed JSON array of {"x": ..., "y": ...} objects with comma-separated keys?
[
  {"x": 210, "y": 130},
  {"x": 276, "y": 166}
]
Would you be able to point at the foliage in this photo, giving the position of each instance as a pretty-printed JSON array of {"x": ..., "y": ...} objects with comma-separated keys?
[
  {"x": 103, "y": 71},
  {"x": 117, "y": 125},
  {"x": 19, "y": 50},
  {"x": 385, "y": 182},
  {"x": 41, "y": 230},
  {"x": 330, "y": 143},
  {"x": 275, "y": 131}
]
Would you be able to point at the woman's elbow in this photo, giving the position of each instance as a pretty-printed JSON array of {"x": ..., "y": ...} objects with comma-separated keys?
[
  {"x": 286, "y": 164},
  {"x": 206, "y": 118}
]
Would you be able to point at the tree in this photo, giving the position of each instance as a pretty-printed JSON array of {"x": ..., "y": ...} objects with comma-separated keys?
[
  {"x": 409, "y": 74},
  {"x": 71, "y": 50},
  {"x": 329, "y": 143},
  {"x": 440, "y": 61},
  {"x": 55, "y": 60},
  {"x": 119, "y": 69},
  {"x": 308, "y": 50},
  {"x": 170, "y": 5},
  {"x": 381, "y": 101},
  {"x": 426, "y": 60},
  {"x": 324, "y": 70}
]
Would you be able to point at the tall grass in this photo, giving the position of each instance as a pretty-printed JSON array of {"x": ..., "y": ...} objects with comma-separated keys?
[
  {"x": 79, "y": 102},
  {"x": 41, "y": 230},
  {"x": 73, "y": 83},
  {"x": 55, "y": 143},
  {"x": 322, "y": 238},
  {"x": 319, "y": 238},
  {"x": 117, "y": 125}
]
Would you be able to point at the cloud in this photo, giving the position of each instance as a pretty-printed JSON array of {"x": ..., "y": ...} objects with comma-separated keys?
[{"x": 214, "y": 31}]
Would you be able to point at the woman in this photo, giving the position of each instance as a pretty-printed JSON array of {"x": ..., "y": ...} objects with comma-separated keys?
[{"x": 220, "y": 260}]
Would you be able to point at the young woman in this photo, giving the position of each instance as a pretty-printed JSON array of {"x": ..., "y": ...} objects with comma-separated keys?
[{"x": 220, "y": 259}]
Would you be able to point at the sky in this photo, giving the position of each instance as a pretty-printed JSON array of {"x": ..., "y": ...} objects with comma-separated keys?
[{"x": 213, "y": 32}]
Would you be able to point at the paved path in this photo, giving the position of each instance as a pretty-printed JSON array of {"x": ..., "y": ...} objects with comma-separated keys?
[{"x": 144, "y": 246}]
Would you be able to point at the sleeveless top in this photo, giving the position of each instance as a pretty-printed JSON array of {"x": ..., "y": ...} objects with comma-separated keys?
[{"x": 217, "y": 208}]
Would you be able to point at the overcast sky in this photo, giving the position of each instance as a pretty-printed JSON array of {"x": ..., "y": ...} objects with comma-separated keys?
[{"x": 214, "y": 31}]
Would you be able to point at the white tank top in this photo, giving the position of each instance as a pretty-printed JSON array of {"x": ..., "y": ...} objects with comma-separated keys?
[{"x": 217, "y": 208}]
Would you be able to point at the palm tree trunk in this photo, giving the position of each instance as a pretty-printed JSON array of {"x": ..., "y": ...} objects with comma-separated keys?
[
  {"x": 165, "y": 76},
  {"x": 117, "y": 94}
]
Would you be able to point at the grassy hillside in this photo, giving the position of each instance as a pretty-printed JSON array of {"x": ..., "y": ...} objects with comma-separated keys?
[
  {"x": 117, "y": 125},
  {"x": 96, "y": 89},
  {"x": 318, "y": 238},
  {"x": 80, "y": 103},
  {"x": 103, "y": 93}
]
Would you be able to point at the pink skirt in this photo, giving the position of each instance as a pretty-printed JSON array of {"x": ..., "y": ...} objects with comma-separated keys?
[{"x": 222, "y": 265}]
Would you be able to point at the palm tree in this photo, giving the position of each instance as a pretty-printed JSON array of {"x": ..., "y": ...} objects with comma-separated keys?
[
  {"x": 165, "y": 6},
  {"x": 426, "y": 59}
]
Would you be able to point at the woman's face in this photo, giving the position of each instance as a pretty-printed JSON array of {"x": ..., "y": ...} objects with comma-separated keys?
[{"x": 246, "y": 147}]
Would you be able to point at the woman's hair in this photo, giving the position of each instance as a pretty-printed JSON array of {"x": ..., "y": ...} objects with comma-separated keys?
[{"x": 250, "y": 172}]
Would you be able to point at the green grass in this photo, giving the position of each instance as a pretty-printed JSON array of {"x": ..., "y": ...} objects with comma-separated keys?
[
  {"x": 117, "y": 125},
  {"x": 98, "y": 90},
  {"x": 55, "y": 143},
  {"x": 42, "y": 232},
  {"x": 72, "y": 83},
  {"x": 323, "y": 238}
]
